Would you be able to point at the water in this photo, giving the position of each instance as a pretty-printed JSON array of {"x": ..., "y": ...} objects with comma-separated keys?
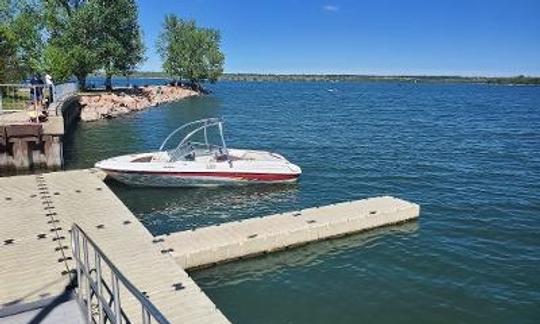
[{"x": 468, "y": 154}]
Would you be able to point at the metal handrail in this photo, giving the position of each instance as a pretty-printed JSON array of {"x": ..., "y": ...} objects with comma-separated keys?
[
  {"x": 64, "y": 90},
  {"x": 88, "y": 286},
  {"x": 32, "y": 99},
  {"x": 21, "y": 85},
  {"x": 111, "y": 300}
]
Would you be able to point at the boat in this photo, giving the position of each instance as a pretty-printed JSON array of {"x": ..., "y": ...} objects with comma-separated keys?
[{"x": 199, "y": 163}]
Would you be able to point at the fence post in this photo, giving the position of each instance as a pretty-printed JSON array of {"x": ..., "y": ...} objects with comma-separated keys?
[{"x": 35, "y": 96}]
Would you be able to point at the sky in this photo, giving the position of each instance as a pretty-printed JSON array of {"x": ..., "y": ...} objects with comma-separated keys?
[{"x": 381, "y": 37}]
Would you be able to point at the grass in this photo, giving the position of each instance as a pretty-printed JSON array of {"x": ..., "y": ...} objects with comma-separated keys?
[{"x": 15, "y": 98}]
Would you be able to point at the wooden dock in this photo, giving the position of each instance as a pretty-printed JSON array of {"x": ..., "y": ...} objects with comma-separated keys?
[
  {"x": 35, "y": 254},
  {"x": 36, "y": 265},
  {"x": 220, "y": 243}
]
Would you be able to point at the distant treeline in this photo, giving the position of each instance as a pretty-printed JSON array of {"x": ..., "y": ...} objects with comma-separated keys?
[
  {"x": 358, "y": 78},
  {"x": 400, "y": 78}
]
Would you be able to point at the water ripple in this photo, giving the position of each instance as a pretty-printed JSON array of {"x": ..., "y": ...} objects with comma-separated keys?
[{"x": 468, "y": 154}]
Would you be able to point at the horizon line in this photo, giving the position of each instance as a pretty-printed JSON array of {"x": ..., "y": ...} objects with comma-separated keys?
[{"x": 372, "y": 75}]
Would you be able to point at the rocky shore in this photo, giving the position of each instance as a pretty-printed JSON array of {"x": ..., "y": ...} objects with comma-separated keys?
[{"x": 101, "y": 105}]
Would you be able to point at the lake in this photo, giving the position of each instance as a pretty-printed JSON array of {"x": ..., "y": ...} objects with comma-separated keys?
[{"x": 468, "y": 154}]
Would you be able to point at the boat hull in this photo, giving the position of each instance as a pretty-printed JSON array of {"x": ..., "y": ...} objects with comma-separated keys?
[{"x": 197, "y": 179}]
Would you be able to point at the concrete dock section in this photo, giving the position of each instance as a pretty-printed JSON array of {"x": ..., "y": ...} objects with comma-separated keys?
[
  {"x": 219, "y": 243},
  {"x": 37, "y": 212}
]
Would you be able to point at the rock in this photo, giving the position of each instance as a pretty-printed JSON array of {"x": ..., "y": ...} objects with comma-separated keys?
[
  {"x": 111, "y": 105},
  {"x": 89, "y": 115}
]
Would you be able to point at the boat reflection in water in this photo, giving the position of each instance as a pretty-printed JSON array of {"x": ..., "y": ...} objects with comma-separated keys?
[{"x": 166, "y": 210}]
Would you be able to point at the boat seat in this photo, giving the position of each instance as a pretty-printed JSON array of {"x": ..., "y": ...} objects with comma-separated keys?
[{"x": 143, "y": 159}]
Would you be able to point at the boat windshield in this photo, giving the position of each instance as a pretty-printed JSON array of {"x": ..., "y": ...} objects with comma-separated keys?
[{"x": 196, "y": 141}]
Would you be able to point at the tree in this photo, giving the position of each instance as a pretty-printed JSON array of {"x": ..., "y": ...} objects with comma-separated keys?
[
  {"x": 83, "y": 40},
  {"x": 57, "y": 14},
  {"x": 73, "y": 41},
  {"x": 57, "y": 62},
  {"x": 21, "y": 39},
  {"x": 90, "y": 35},
  {"x": 9, "y": 64},
  {"x": 190, "y": 52},
  {"x": 120, "y": 47}
]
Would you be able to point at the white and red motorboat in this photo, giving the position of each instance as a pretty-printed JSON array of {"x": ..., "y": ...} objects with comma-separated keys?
[{"x": 193, "y": 163}]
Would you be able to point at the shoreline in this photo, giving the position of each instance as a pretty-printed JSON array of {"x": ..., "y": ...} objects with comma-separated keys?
[
  {"x": 107, "y": 105},
  {"x": 351, "y": 77}
]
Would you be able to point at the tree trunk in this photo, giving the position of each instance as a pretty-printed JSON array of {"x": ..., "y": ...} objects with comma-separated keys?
[
  {"x": 195, "y": 85},
  {"x": 108, "y": 82},
  {"x": 82, "y": 81}
]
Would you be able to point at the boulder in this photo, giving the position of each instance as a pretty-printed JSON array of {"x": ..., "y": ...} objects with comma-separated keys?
[{"x": 111, "y": 105}]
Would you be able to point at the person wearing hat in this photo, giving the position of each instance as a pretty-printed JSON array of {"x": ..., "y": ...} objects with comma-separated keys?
[{"x": 50, "y": 86}]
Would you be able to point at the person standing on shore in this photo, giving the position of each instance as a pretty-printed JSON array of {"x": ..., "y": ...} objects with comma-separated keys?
[
  {"x": 35, "y": 92},
  {"x": 50, "y": 86}
]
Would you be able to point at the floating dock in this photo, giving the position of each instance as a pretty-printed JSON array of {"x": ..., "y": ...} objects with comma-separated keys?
[
  {"x": 36, "y": 261},
  {"x": 207, "y": 246},
  {"x": 36, "y": 213}
]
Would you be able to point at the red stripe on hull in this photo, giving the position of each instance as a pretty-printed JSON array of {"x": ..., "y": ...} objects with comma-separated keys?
[{"x": 230, "y": 175}]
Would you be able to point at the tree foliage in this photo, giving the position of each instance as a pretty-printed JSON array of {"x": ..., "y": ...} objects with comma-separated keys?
[
  {"x": 96, "y": 35},
  {"x": 68, "y": 37},
  {"x": 120, "y": 47},
  {"x": 78, "y": 37},
  {"x": 190, "y": 52},
  {"x": 57, "y": 62},
  {"x": 79, "y": 40},
  {"x": 57, "y": 15},
  {"x": 21, "y": 39}
]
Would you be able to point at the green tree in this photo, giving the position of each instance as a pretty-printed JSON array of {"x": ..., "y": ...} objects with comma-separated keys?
[
  {"x": 73, "y": 26},
  {"x": 57, "y": 62},
  {"x": 69, "y": 37},
  {"x": 9, "y": 64},
  {"x": 81, "y": 42},
  {"x": 21, "y": 39},
  {"x": 120, "y": 47},
  {"x": 57, "y": 14},
  {"x": 93, "y": 35},
  {"x": 190, "y": 52}
]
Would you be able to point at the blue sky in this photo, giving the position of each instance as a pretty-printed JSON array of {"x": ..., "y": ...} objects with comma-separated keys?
[{"x": 443, "y": 37}]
